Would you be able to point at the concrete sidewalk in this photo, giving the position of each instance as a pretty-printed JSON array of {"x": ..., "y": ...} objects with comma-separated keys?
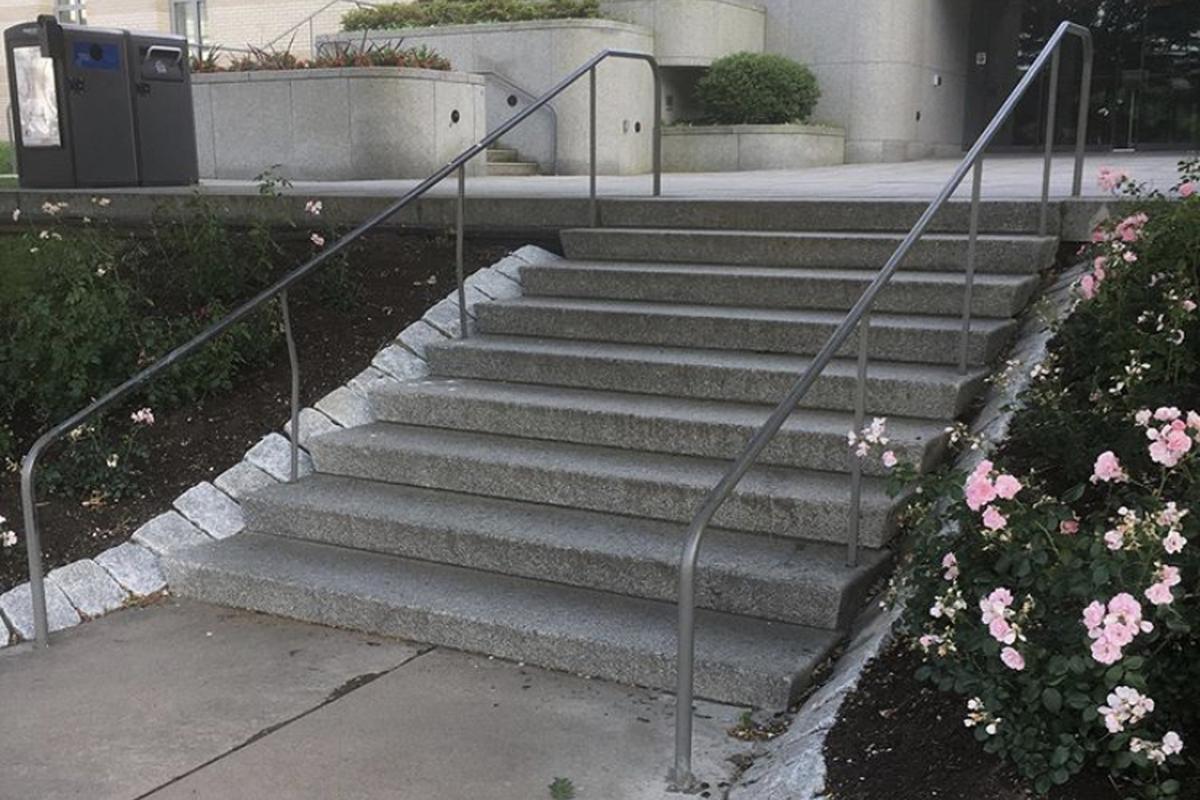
[{"x": 181, "y": 700}]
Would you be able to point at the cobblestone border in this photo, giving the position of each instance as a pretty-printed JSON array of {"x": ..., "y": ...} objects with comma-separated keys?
[
  {"x": 792, "y": 767},
  {"x": 128, "y": 572}
]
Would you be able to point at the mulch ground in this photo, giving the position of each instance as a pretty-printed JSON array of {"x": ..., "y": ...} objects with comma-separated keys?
[
  {"x": 391, "y": 288},
  {"x": 898, "y": 739}
]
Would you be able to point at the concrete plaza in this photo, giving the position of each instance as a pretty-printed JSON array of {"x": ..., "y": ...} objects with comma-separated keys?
[{"x": 181, "y": 700}]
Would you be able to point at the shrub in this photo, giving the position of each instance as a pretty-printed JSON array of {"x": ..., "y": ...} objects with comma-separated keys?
[
  {"x": 330, "y": 56},
  {"x": 1049, "y": 587},
  {"x": 93, "y": 305},
  {"x": 423, "y": 13},
  {"x": 758, "y": 88}
]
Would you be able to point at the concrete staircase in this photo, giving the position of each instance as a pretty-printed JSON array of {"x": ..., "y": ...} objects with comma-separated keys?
[
  {"x": 529, "y": 499},
  {"x": 507, "y": 161}
]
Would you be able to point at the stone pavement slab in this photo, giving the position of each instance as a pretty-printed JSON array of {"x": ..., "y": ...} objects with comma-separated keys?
[
  {"x": 452, "y": 726},
  {"x": 121, "y": 706}
]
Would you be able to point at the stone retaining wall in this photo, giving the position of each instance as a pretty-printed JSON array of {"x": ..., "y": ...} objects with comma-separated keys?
[{"x": 359, "y": 123}]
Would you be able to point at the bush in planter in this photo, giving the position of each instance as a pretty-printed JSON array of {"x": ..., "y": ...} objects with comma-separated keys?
[
  {"x": 1059, "y": 605},
  {"x": 758, "y": 88},
  {"x": 331, "y": 56},
  {"x": 423, "y": 13}
]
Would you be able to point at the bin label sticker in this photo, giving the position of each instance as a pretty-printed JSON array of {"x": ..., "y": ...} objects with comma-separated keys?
[{"x": 94, "y": 55}]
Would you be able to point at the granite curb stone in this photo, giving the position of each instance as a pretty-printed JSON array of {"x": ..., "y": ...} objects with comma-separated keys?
[
  {"x": 242, "y": 479},
  {"x": 134, "y": 567},
  {"x": 16, "y": 606},
  {"x": 88, "y": 587},
  {"x": 211, "y": 510},
  {"x": 169, "y": 531}
]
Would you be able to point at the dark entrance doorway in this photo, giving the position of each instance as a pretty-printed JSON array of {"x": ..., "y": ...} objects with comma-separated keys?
[{"x": 1146, "y": 87}]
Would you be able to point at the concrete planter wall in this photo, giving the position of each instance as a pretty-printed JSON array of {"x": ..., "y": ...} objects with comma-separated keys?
[
  {"x": 533, "y": 56},
  {"x": 729, "y": 148},
  {"x": 336, "y": 124},
  {"x": 693, "y": 33}
]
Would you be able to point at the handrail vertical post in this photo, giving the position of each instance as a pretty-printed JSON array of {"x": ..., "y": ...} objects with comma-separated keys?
[
  {"x": 1081, "y": 126},
  {"x": 658, "y": 133},
  {"x": 1051, "y": 115},
  {"x": 969, "y": 289},
  {"x": 593, "y": 207},
  {"x": 294, "y": 360},
  {"x": 33, "y": 549},
  {"x": 460, "y": 214},
  {"x": 856, "y": 462},
  {"x": 680, "y": 777}
]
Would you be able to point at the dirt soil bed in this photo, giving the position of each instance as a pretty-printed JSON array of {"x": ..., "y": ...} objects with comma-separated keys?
[
  {"x": 392, "y": 281},
  {"x": 898, "y": 739}
]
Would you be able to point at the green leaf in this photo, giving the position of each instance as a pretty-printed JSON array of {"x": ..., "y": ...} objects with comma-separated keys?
[
  {"x": 1074, "y": 493},
  {"x": 1052, "y": 700}
]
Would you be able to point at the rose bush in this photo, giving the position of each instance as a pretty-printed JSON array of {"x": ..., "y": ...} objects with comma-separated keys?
[{"x": 1052, "y": 586}]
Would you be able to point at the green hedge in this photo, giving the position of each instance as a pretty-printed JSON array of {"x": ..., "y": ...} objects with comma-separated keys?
[
  {"x": 758, "y": 89},
  {"x": 423, "y": 13}
]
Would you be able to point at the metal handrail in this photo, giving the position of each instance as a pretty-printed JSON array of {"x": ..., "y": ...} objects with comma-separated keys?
[
  {"x": 680, "y": 775},
  {"x": 312, "y": 17},
  {"x": 280, "y": 289}
]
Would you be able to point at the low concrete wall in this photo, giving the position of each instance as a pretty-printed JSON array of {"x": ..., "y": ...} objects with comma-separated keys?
[
  {"x": 693, "y": 33},
  {"x": 336, "y": 124},
  {"x": 731, "y": 148},
  {"x": 536, "y": 55}
]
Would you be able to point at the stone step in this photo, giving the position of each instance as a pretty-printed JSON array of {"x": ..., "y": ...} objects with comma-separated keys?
[
  {"x": 778, "y": 287},
  {"x": 893, "y": 389},
  {"x": 808, "y": 440},
  {"x": 767, "y": 577},
  {"x": 1022, "y": 254},
  {"x": 826, "y": 214},
  {"x": 497, "y": 155},
  {"x": 909, "y": 338},
  {"x": 800, "y": 504},
  {"x": 512, "y": 168},
  {"x": 738, "y": 660}
]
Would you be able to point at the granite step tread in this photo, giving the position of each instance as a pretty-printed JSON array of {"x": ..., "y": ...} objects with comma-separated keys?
[
  {"x": 938, "y": 293},
  {"x": 761, "y": 576},
  {"x": 1012, "y": 253},
  {"x": 813, "y": 439},
  {"x": 916, "y": 390},
  {"x": 894, "y": 337},
  {"x": 802, "y": 504},
  {"x": 625, "y": 639}
]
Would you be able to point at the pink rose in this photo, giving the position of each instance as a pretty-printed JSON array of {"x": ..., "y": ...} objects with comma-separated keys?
[
  {"x": 1093, "y": 615},
  {"x": 1087, "y": 287},
  {"x": 1012, "y": 659},
  {"x": 1108, "y": 468},
  {"x": 1105, "y": 651},
  {"x": 1159, "y": 594},
  {"x": 889, "y": 459},
  {"x": 1068, "y": 527},
  {"x": 979, "y": 491},
  {"x": 1001, "y": 631},
  {"x": 1007, "y": 487},
  {"x": 1187, "y": 189},
  {"x": 993, "y": 519}
]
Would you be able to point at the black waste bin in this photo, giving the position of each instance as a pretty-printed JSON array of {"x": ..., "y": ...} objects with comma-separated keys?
[
  {"x": 96, "y": 107},
  {"x": 163, "y": 116}
]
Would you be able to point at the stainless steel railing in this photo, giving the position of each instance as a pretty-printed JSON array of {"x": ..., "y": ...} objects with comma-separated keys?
[
  {"x": 280, "y": 288},
  {"x": 680, "y": 775}
]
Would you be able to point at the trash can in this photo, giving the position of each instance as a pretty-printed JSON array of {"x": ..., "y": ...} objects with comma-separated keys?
[
  {"x": 164, "y": 118},
  {"x": 97, "y": 107}
]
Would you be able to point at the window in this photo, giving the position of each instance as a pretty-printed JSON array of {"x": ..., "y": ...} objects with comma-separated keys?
[
  {"x": 72, "y": 11},
  {"x": 188, "y": 18}
]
